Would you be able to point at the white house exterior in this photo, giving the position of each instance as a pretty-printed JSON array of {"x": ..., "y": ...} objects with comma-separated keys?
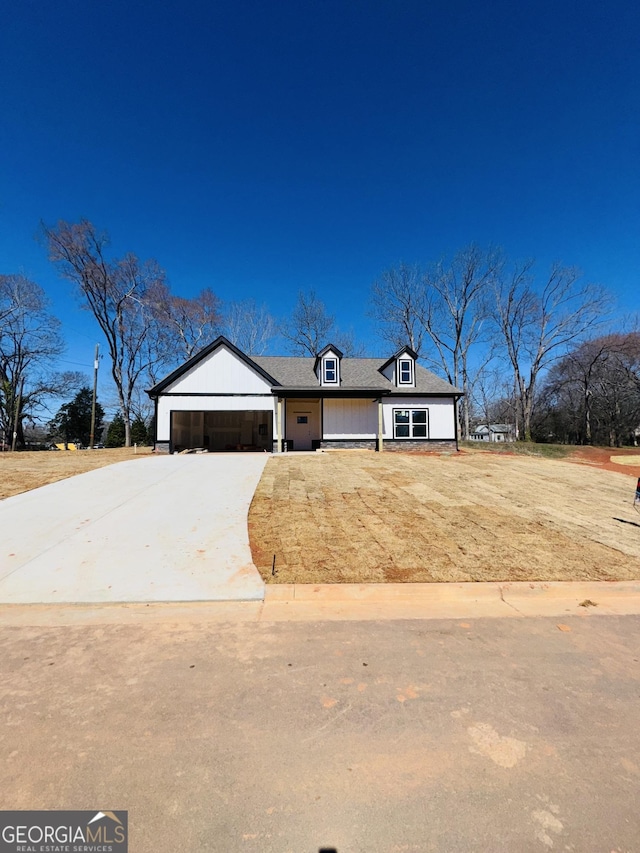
[
  {"x": 493, "y": 432},
  {"x": 223, "y": 400}
]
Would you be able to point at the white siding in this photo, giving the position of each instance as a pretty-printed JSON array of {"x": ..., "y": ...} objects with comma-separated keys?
[
  {"x": 390, "y": 372},
  {"x": 350, "y": 419},
  {"x": 222, "y": 372},
  {"x": 210, "y": 404},
  {"x": 441, "y": 414}
]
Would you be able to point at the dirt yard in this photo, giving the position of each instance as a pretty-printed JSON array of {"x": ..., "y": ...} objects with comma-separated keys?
[
  {"x": 20, "y": 472},
  {"x": 358, "y": 517}
]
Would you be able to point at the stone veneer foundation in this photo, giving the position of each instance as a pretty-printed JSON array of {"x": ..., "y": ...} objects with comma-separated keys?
[{"x": 390, "y": 445}]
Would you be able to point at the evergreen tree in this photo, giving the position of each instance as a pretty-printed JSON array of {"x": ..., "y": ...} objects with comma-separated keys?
[
  {"x": 139, "y": 432},
  {"x": 115, "y": 433},
  {"x": 72, "y": 421}
]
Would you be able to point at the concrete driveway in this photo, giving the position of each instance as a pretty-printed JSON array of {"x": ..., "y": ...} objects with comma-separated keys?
[{"x": 166, "y": 528}]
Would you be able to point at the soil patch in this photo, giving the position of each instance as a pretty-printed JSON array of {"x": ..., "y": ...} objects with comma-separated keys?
[
  {"x": 363, "y": 518},
  {"x": 624, "y": 460},
  {"x": 23, "y": 471}
]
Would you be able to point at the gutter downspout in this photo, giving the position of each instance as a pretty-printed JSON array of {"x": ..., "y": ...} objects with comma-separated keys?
[
  {"x": 455, "y": 421},
  {"x": 380, "y": 425}
]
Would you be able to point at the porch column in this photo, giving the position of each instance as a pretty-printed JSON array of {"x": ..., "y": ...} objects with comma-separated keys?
[
  {"x": 380, "y": 426},
  {"x": 279, "y": 424}
]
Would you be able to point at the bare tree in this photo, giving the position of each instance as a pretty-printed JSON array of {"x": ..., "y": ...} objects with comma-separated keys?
[
  {"x": 455, "y": 318},
  {"x": 249, "y": 326},
  {"x": 347, "y": 343},
  {"x": 536, "y": 327},
  {"x": 493, "y": 400},
  {"x": 30, "y": 340},
  {"x": 187, "y": 324},
  {"x": 590, "y": 395},
  {"x": 441, "y": 314},
  {"x": 310, "y": 328},
  {"x": 620, "y": 406},
  {"x": 398, "y": 304},
  {"x": 572, "y": 383},
  {"x": 120, "y": 293},
  {"x": 631, "y": 351},
  {"x": 307, "y": 330}
]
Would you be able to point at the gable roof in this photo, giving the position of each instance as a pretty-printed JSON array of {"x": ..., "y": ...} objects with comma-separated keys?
[
  {"x": 493, "y": 428},
  {"x": 329, "y": 348},
  {"x": 297, "y": 373},
  {"x": 403, "y": 351},
  {"x": 200, "y": 356}
]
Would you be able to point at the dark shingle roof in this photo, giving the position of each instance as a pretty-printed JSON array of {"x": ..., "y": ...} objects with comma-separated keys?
[
  {"x": 493, "y": 428},
  {"x": 297, "y": 372}
]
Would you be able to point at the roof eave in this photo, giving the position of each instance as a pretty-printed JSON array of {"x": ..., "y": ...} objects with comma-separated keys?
[{"x": 323, "y": 391}]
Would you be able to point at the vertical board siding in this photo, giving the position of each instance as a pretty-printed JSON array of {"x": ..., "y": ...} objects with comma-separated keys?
[
  {"x": 223, "y": 371},
  {"x": 350, "y": 419}
]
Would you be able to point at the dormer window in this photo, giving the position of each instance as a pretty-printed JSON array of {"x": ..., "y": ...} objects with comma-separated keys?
[
  {"x": 400, "y": 369},
  {"x": 327, "y": 365},
  {"x": 405, "y": 371},
  {"x": 330, "y": 366}
]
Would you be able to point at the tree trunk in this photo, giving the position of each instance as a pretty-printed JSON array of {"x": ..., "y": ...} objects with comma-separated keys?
[{"x": 526, "y": 415}]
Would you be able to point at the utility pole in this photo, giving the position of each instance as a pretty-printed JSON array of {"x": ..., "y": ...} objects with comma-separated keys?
[{"x": 93, "y": 401}]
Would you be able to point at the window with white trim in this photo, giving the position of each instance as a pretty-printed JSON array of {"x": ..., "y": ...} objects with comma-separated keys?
[
  {"x": 330, "y": 371},
  {"x": 411, "y": 423},
  {"x": 405, "y": 371}
]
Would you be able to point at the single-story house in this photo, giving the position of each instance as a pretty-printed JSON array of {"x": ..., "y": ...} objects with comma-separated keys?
[
  {"x": 493, "y": 432},
  {"x": 222, "y": 399}
]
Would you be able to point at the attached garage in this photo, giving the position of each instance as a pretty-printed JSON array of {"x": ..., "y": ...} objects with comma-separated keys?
[
  {"x": 222, "y": 400},
  {"x": 217, "y": 431}
]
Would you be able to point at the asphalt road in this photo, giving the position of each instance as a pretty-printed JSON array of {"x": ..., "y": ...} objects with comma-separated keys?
[{"x": 424, "y": 735}]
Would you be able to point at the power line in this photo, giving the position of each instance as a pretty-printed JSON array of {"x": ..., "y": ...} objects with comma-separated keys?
[{"x": 77, "y": 363}]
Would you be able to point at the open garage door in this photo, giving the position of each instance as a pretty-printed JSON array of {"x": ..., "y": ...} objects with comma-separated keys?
[{"x": 218, "y": 432}]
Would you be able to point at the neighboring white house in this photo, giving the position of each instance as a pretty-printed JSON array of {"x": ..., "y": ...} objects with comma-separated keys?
[
  {"x": 221, "y": 399},
  {"x": 493, "y": 432}
]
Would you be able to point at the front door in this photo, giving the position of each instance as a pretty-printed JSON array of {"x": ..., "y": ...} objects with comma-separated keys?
[{"x": 303, "y": 423}]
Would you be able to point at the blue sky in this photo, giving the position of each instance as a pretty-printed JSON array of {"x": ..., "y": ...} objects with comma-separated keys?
[{"x": 260, "y": 148}]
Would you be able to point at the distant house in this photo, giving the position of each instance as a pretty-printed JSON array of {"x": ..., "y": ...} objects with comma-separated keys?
[
  {"x": 223, "y": 400},
  {"x": 494, "y": 432}
]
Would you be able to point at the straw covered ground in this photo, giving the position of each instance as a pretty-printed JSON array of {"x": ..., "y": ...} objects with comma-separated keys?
[
  {"x": 359, "y": 517},
  {"x": 23, "y": 471}
]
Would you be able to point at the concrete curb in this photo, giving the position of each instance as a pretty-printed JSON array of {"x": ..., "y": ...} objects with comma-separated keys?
[
  {"x": 357, "y": 602},
  {"x": 457, "y": 601}
]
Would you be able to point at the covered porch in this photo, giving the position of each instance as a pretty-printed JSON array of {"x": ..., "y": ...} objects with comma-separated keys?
[{"x": 305, "y": 423}]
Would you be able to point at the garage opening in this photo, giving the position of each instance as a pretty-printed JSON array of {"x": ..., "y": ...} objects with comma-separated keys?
[{"x": 220, "y": 432}]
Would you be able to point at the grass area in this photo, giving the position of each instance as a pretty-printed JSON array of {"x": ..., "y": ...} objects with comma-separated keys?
[
  {"x": 477, "y": 516},
  {"x": 26, "y": 470},
  {"x": 520, "y": 448}
]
